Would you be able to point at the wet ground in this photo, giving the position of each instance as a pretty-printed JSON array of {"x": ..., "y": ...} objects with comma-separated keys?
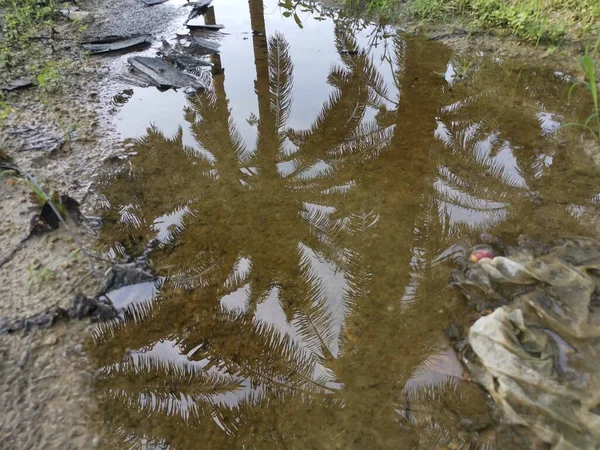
[{"x": 309, "y": 207}]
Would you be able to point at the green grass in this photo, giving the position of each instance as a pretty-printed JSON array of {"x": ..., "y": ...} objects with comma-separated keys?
[
  {"x": 589, "y": 65},
  {"x": 531, "y": 20},
  {"x": 50, "y": 78},
  {"x": 23, "y": 18}
]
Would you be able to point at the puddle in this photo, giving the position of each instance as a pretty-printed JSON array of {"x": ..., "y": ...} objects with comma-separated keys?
[{"x": 309, "y": 208}]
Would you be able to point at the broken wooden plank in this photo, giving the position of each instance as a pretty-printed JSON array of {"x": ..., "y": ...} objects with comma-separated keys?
[
  {"x": 116, "y": 44},
  {"x": 161, "y": 74}
]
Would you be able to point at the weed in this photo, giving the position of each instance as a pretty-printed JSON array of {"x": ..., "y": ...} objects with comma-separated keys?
[
  {"x": 24, "y": 17},
  {"x": 39, "y": 277},
  {"x": 589, "y": 66},
  {"x": 50, "y": 78},
  {"x": 4, "y": 108},
  {"x": 429, "y": 9}
]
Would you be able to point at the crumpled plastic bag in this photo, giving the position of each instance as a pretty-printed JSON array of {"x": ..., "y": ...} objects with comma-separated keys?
[{"x": 539, "y": 355}]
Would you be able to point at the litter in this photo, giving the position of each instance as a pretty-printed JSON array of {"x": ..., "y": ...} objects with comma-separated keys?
[{"x": 115, "y": 44}]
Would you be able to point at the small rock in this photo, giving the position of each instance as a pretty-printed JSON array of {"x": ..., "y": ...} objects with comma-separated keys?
[
  {"x": 50, "y": 340},
  {"x": 81, "y": 16}
]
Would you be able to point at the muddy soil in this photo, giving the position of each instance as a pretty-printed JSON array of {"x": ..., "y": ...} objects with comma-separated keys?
[{"x": 66, "y": 139}]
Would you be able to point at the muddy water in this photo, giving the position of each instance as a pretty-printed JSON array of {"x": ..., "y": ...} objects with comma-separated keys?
[{"x": 309, "y": 207}]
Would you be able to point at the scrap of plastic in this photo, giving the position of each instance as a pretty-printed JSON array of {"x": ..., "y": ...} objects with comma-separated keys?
[{"x": 539, "y": 355}]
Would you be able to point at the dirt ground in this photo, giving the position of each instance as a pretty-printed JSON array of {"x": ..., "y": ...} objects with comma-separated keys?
[{"x": 66, "y": 141}]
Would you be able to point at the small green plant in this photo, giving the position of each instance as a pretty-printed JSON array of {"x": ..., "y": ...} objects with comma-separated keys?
[
  {"x": 50, "y": 78},
  {"x": 38, "y": 277},
  {"x": 4, "y": 108},
  {"x": 589, "y": 65}
]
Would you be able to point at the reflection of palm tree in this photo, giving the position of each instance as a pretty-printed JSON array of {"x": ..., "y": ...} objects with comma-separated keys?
[
  {"x": 473, "y": 173},
  {"x": 276, "y": 216},
  {"x": 147, "y": 199},
  {"x": 373, "y": 199}
]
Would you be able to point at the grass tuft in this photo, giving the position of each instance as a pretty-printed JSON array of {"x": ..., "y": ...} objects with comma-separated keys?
[{"x": 589, "y": 65}]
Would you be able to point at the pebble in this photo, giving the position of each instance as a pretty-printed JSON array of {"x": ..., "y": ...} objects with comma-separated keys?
[
  {"x": 50, "y": 340},
  {"x": 81, "y": 16}
]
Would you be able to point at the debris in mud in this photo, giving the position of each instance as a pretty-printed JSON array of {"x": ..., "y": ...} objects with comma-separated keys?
[
  {"x": 204, "y": 46},
  {"x": 153, "y": 2},
  {"x": 47, "y": 219},
  {"x": 5, "y": 158},
  {"x": 44, "y": 319},
  {"x": 79, "y": 308},
  {"x": 178, "y": 57},
  {"x": 82, "y": 306},
  {"x": 115, "y": 44},
  {"x": 122, "y": 97},
  {"x": 124, "y": 275},
  {"x": 19, "y": 83},
  {"x": 198, "y": 8},
  {"x": 158, "y": 73},
  {"x": 40, "y": 138},
  {"x": 65, "y": 204},
  {"x": 537, "y": 355},
  {"x": 196, "y": 24}
]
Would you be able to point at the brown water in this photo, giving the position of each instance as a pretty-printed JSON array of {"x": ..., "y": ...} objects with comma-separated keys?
[{"x": 309, "y": 207}]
